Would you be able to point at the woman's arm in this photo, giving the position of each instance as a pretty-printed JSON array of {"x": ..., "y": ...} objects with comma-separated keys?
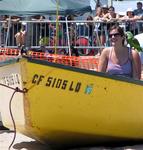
[
  {"x": 103, "y": 60},
  {"x": 136, "y": 65}
]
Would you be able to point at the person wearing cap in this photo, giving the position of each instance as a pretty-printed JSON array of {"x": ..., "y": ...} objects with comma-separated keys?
[
  {"x": 104, "y": 9},
  {"x": 129, "y": 15},
  {"x": 130, "y": 21}
]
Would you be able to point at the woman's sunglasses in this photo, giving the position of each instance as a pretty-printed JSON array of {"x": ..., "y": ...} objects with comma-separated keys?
[{"x": 114, "y": 34}]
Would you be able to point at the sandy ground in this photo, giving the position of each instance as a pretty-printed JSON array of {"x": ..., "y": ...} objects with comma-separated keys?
[{"x": 23, "y": 142}]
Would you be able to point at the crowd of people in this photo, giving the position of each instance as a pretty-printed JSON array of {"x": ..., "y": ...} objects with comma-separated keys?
[
  {"x": 109, "y": 15},
  {"x": 96, "y": 30}
]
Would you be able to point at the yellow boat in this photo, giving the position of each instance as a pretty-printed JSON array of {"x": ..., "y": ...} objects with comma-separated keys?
[{"x": 66, "y": 105}]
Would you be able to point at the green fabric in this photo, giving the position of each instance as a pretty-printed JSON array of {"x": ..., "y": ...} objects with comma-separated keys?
[{"x": 43, "y": 7}]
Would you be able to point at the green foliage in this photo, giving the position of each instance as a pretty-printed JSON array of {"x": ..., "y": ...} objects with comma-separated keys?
[{"x": 44, "y": 41}]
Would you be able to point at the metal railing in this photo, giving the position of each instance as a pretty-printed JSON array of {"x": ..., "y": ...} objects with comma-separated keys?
[{"x": 86, "y": 36}]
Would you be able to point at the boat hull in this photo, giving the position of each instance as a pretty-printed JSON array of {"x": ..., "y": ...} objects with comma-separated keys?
[
  {"x": 10, "y": 79},
  {"x": 66, "y": 105}
]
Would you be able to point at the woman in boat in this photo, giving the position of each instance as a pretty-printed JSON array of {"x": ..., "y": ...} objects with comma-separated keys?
[{"x": 119, "y": 59}]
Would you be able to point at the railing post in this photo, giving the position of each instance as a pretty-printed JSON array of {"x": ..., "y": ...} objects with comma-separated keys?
[
  {"x": 28, "y": 37},
  {"x": 110, "y": 3}
]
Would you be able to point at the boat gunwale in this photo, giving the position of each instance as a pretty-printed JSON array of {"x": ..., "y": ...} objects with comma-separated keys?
[{"x": 85, "y": 71}]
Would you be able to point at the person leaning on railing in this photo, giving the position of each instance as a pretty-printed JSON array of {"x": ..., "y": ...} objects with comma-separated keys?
[
  {"x": 4, "y": 29},
  {"x": 111, "y": 17},
  {"x": 20, "y": 36},
  {"x": 99, "y": 28},
  {"x": 119, "y": 59},
  {"x": 130, "y": 21},
  {"x": 139, "y": 13},
  {"x": 13, "y": 29},
  {"x": 90, "y": 28},
  {"x": 139, "y": 10}
]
